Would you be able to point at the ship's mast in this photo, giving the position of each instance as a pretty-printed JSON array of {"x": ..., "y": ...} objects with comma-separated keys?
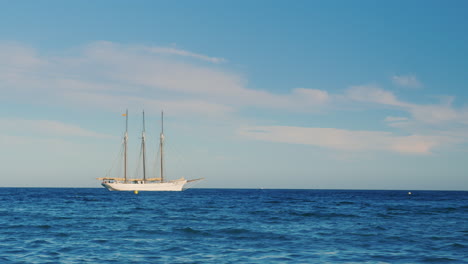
[
  {"x": 143, "y": 148},
  {"x": 161, "y": 145},
  {"x": 125, "y": 145}
]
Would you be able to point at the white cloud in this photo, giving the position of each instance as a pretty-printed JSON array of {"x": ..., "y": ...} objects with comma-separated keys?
[
  {"x": 312, "y": 96},
  {"x": 406, "y": 81},
  {"x": 373, "y": 94},
  {"x": 170, "y": 50},
  {"x": 17, "y": 56},
  {"x": 342, "y": 139},
  {"x": 47, "y": 128},
  {"x": 431, "y": 114},
  {"x": 436, "y": 114},
  {"x": 111, "y": 76},
  {"x": 114, "y": 72},
  {"x": 395, "y": 119}
]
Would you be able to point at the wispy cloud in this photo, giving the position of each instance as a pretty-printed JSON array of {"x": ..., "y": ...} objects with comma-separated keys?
[
  {"x": 115, "y": 72},
  {"x": 347, "y": 140},
  {"x": 409, "y": 81},
  {"x": 416, "y": 140},
  {"x": 111, "y": 76},
  {"x": 425, "y": 113},
  {"x": 47, "y": 128},
  {"x": 174, "y": 51},
  {"x": 395, "y": 119},
  {"x": 373, "y": 94}
]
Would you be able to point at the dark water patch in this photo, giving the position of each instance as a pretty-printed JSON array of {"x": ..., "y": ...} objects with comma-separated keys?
[
  {"x": 6, "y": 259},
  {"x": 445, "y": 210},
  {"x": 233, "y": 231},
  {"x": 175, "y": 249},
  {"x": 87, "y": 199},
  {"x": 190, "y": 231},
  {"x": 458, "y": 246},
  {"x": 382, "y": 215},
  {"x": 259, "y": 212},
  {"x": 63, "y": 217},
  {"x": 14, "y": 226},
  {"x": 364, "y": 234},
  {"x": 99, "y": 241},
  {"x": 66, "y": 249},
  {"x": 125, "y": 212},
  {"x": 15, "y": 251},
  {"x": 345, "y": 203},
  {"x": 151, "y": 231},
  {"x": 61, "y": 234},
  {"x": 52, "y": 253},
  {"x": 438, "y": 238},
  {"x": 323, "y": 215},
  {"x": 38, "y": 243},
  {"x": 437, "y": 260}
]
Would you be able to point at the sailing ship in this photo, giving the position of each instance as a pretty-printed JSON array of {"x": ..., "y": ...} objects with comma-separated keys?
[{"x": 145, "y": 184}]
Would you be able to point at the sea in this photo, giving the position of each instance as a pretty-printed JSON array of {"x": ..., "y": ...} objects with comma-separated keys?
[{"x": 94, "y": 225}]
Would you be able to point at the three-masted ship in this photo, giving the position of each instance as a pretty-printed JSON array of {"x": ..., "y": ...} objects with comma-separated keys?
[{"x": 145, "y": 184}]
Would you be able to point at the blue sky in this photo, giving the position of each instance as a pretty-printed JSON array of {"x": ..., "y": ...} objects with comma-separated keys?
[{"x": 272, "y": 94}]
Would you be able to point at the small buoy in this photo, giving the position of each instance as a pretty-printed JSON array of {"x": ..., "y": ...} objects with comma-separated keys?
[
  {"x": 409, "y": 193},
  {"x": 136, "y": 192}
]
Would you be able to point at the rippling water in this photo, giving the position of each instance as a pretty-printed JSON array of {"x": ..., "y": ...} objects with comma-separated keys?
[{"x": 232, "y": 226}]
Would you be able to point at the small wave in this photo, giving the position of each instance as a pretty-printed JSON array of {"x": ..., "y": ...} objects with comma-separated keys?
[
  {"x": 15, "y": 251},
  {"x": 384, "y": 215},
  {"x": 150, "y": 231},
  {"x": 188, "y": 230},
  {"x": 175, "y": 249},
  {"x": 323, "y": 215},
  {"x": 307, "y": 214},
  {"x": 234, "y": 231},
  {"x": 61, "y": 234},
  {"x": 66, "y": 249},
  {"x": 365, "y": 234},
  {"x": 63, "y": 217},
  {"x": 13, "y": 226},
  {"x": 257, "y": 212},
  {"x": 5, "y": 260},
  {"x": 380, "y": 228},
  {"x": 99, "y": 241},
  {"x": 126, "y": 212},
  {"x": 437, "y": 260},
  {"x": 38, "y": 243},
  {"x": 274, "y": 218},
  {"x": 457, "y": 245},
  {"x": 344, "y": 203},
  {"x": 87, "y": 199},
  {"x": 396, "y": 211}
]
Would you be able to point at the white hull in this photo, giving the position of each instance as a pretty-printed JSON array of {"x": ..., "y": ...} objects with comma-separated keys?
[{"x": 177, "y": 185}]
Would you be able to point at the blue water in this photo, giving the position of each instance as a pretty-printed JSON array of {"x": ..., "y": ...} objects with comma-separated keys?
[{"x": 232, "y": 226}]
